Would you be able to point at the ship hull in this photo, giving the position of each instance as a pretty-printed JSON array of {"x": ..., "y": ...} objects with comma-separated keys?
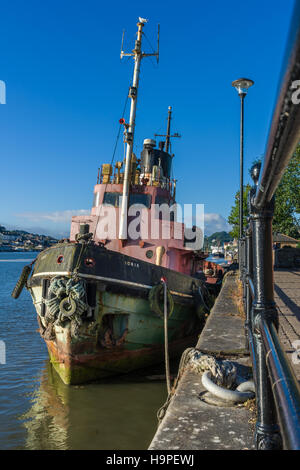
[
  {"x": 82, "y": 368},
  {"x": 118, "y": 328}
]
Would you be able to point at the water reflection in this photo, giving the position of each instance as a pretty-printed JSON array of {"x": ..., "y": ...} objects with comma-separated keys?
[
  {"x": 119, "y": 414},
  {"x": 37, "y": 411}
]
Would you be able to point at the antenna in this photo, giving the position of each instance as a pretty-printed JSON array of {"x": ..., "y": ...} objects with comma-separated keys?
[
  {"x": 168, "y": 134},
  {"x": 121, "y": 54},
  {"x": 142, "y": 21},
  {"x": 158, "y": 31}
]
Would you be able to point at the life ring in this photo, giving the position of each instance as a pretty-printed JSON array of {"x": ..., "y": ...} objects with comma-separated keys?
[{"x": 156, "y": 301}]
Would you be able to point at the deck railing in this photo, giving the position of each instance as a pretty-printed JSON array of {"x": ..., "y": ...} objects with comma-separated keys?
[{"x": 277, "y": 389}]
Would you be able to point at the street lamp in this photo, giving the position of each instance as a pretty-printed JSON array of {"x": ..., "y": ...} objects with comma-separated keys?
[{"x": 242, "y": 85}]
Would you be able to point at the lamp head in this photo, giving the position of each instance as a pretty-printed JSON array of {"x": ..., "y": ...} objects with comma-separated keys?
[
  {"x": 242, "y": 84},
  {"x": 254, "y": 172}
]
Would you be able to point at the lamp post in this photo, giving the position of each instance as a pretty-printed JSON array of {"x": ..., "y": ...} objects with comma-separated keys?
[{"x": 242, "y": 85}]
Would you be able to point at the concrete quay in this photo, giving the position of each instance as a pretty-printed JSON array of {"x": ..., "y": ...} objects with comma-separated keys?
[{"x": 192, "y": 424}]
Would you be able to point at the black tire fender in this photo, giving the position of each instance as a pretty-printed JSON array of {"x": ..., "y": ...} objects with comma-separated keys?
[
  {"x": 67, "y": 306},
  {"x": 156, "y": 301},
  {"x": 21, "y": 282}
]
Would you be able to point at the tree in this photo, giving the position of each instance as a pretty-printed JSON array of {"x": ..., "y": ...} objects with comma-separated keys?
[
  {"x": 287, "y": 202},
  {"x": 220, "y": 237},
  {"x": 234, "y": 216}
]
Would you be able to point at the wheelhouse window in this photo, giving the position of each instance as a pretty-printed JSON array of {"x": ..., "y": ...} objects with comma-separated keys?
[
  {"x": 115, "y": 199},
  {"x": 96, "y": 199},
  {"x": 112, "y": 199},
  {"x": 161, "y": 200},
  {"x": 167, "y": 215},
  {"x": 142, "y": 199}
]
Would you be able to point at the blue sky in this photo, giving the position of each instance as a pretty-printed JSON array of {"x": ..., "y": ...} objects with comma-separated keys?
[{"x": 66, "y": 89}]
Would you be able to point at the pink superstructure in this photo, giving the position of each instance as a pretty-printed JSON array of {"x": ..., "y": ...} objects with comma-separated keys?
[{"x": 169, "y": 252}]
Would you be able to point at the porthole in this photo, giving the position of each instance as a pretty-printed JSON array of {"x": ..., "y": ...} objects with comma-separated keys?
[
  {"x": 60, "y": 259},
  {"x": 90, "y": 262},
  {"x": 149, "y": 253}
]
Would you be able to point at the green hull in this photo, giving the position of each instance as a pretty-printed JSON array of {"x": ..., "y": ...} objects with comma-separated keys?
[
  {"x": 114, "y": 328},
  {"x": 88, "y": 357}
]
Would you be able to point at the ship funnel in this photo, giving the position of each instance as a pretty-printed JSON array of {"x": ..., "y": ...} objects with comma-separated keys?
[
  {"x": 151, "y": 156},
  {"x": 149, "y": 143}
]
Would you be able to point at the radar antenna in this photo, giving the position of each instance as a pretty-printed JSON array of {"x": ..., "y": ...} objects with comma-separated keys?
[{"x": 168, "y": 134}]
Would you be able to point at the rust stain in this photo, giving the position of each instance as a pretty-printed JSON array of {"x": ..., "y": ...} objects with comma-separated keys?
[
  {"x": 110, "y": 356},
  {"x": 122, "y": 338}
]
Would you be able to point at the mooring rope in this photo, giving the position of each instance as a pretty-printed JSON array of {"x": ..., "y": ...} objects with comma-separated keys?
[
  {"x": 167, "y": 363},
  {"x": 222, "y": 375}
]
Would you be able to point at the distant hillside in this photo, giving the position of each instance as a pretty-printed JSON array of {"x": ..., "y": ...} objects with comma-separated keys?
[
  {"x": 219, "y": 237},
  {"x": 20, "y": 240}
]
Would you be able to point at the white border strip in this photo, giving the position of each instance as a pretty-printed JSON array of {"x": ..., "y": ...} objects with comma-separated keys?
[
  {"x": 110, "y": 279},
  {"x": 91, "y": 276},
  {"x": 62, "y": 273}
]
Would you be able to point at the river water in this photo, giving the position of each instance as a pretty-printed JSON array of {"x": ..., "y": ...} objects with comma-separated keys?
[{"x": 37, "y": 411}]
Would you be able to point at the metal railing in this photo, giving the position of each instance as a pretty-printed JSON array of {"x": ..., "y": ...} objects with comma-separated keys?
[{"x": 277, "y": 389}]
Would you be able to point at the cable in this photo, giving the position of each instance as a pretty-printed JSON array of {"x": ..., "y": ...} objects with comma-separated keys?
[
  {"x": 154, "y": 65},
  {"x": 119, "y": 131},
  {"x": 113, "y": 155},
  {"x": 166, "y": 341}
]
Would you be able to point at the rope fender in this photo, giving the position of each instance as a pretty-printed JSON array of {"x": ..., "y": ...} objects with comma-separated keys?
[{"x": 66, "y": 301}]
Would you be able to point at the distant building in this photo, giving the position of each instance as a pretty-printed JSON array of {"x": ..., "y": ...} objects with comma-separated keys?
[
  {"x": 6, "y": 237},
  {"x": 231, "y": 247},
  {"x": 280, "y": 240},
  {"x": 216, "y": 249}
]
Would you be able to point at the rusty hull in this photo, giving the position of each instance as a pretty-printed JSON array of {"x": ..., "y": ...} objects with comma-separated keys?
[{"x": 77, "y": 366}]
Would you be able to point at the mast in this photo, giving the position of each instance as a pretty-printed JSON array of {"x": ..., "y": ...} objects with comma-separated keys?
[
  {"x": 137, "y": 55},
  {"x": 168, "y": 128}
]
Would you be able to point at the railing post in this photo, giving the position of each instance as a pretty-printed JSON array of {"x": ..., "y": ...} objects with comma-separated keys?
[
  {"x": 244, "y": 273},
  {"x": 243, "y": 268},
  {"x": 267, "y": 432},
  {"x": 241, "y": 250},
  {"x": 248, "y": 272}
]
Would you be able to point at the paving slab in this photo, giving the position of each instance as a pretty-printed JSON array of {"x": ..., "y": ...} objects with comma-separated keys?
[
  {"x": 192, "y": 424},
  {"x": 287, "y": 298}
]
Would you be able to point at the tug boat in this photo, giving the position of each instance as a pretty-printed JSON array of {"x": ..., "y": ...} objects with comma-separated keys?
[{"x": 99, "y": 295}]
